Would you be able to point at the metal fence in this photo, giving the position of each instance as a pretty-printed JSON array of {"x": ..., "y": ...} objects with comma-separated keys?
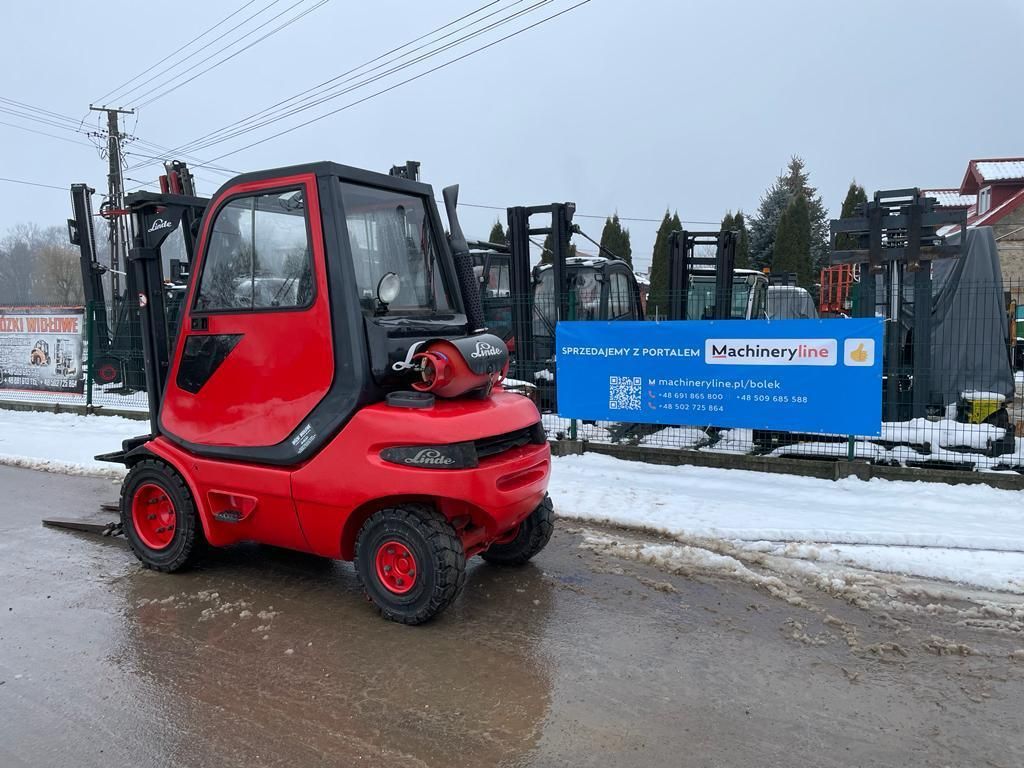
[
  {"x": 94, "y": 366},
  {"x": 949, "y": 392},
  {"x": 949, "y": 388}
]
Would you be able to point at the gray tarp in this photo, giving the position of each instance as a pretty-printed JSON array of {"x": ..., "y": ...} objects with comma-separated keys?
[{"x": 970, "y": 327}]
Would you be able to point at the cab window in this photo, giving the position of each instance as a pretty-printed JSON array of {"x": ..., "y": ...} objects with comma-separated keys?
[
  {"x": 620, "y": 298},
  {"x": 258, "y": 256},
  {"x": 390, "y": 232}
]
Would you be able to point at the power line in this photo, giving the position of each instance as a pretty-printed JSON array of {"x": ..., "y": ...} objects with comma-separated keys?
[
  {"x": 591, "y": 215},
  {"x": 177, "y": 51},
  {"x": 192, "y": 145},
  {"x": 33, "y": 184},
  {"x": 170, "y": 154},
  {"x": 41, "y": 111},
  {"x": 39, "y": 119},
  {"x": 274, "y": 31},
  {"x": 125, "y": 94},
  {"x": 403, "y": 82},
  {"x": 309, "y": 92},
  {"x": 338, "y": 93},
  {"x": 44, "y": 133}
]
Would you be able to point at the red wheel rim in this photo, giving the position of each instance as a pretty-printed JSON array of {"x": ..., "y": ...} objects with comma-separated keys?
[
  {"x": 106, "y": 373},
  {"x": 396, "y": 567},
  {"x": 153, "y": 516}
]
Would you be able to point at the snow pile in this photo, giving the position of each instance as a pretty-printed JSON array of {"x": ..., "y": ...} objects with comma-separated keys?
[
  {"x": 64, "y": 442},
  {"x": 943, "y": 433},
  {"x": 971, "y": 534}
]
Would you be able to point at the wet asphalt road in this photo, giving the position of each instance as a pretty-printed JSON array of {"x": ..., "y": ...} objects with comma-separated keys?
[{"x": 265, "y": 658}]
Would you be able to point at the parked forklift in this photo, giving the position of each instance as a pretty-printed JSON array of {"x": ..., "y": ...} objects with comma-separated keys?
[
  {"x": 524, "y": 303},
  {"x": 117, "y": 359},
  {"x": 332, "y": 389},
  {"x": 704, "y": 283}
]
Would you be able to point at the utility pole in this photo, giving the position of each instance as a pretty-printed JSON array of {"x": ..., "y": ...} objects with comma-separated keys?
[{"x": 118, "y": 236}]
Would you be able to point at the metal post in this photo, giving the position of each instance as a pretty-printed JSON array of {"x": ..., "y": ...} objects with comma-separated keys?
[
  {"x": 89, "y": 354},
  {"x": 521, "y": 288},
  {"x": 572, "y": 316},
  {"x": 115, "y": 188}
]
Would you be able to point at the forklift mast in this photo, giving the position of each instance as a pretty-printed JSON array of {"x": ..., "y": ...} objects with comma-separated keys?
[
  {"x": 521, "y": 274},
  {"x": 82, "y": 234},
  {"x": 154, "y": 217},
  {"x": 685, "y": 261},
  {"x": 896, "y": 238}
]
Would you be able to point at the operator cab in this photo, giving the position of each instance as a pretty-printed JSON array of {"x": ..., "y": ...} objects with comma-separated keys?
[
  {"x": 749, "y": 296},
  {"x": 599, "y": 289},
  {"x": 350, "y": 267},
  {"x": 492, "y": 269}
]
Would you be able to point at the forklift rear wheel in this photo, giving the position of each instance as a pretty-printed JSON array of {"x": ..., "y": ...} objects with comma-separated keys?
[
  {"x": 106, "y": 370},
  {"x": 531, "y": 537},
  {"x": 410, "y": 562},
  {"x": 159, "y": 517}
]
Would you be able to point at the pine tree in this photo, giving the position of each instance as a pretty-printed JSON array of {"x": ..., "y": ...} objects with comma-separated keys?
[
  {"x": 657, "y": 296},
  {"x": 738, "y": 223},
  {"x": 615, "y": 239},
  {"x": 792, "y": 248},
  {"x": 547, "y": 255},
  {"x": 774, "y": 202},
  {"x": 497, "y": 234},
  {"x": 797, "y": 181},
  {"x": 854, "y": 196}
]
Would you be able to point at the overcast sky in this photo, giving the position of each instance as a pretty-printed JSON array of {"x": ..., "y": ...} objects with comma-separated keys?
[{"x": 627, "y": 106}]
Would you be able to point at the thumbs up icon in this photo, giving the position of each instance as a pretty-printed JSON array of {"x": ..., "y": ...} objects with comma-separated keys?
[{"x": 859, "y": 351}]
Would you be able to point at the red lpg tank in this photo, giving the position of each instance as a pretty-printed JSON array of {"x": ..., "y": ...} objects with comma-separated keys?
[{"x": 451, "y": 368}]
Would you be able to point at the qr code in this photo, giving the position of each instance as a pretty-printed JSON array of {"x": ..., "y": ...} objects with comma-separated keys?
[{"x": 625, "y": 393}]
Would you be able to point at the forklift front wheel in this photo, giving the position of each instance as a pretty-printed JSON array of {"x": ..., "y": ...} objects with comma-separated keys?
[
  {"x": 159, "y": 518},
  {"x": 529, "y": 538},
  {"x": 410, "y": 562}
]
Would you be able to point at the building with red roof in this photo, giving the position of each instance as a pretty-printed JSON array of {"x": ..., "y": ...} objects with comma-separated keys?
[{"x": 992, "y": 193}]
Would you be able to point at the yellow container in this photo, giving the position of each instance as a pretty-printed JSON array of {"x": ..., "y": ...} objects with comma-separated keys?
[{"x": 978, "y": 406}]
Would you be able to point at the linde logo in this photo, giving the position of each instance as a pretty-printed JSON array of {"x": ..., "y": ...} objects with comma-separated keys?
[
  {"x": 430, "y": 457},
  {"x": 485, "y": 349},
  {"x": 770, "y": 351},
  {"x": 160, "y": 224}
]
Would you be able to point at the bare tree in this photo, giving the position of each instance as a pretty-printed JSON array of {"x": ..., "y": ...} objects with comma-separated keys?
[
  {"x": 29, "y": 277},
  {"x": 59, "y": 276}
]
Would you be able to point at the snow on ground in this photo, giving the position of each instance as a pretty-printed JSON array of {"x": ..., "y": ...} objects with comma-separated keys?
[
  {"x": 969, "y": 534},
  {"x": 64, "y": 442}
]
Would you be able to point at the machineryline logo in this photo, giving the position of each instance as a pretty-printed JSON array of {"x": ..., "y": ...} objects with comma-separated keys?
[{"x": 770, "y": 351}]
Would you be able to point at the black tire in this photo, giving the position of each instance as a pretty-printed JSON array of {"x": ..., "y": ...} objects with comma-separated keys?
[
  {"x": 107, "y": 369},
  {"x": 533, "y": 535},
  {"x": 187, "y": 541},
  {"x": 436, "y": 553}
]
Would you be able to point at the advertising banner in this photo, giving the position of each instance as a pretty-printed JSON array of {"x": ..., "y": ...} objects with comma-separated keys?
[
  {"x": 793, "y": 375},
  {"x": 41, "y": 348}
]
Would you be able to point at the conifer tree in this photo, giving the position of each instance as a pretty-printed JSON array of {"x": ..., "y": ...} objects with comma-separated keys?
[
  {"x": 657, "y": 296},
  {"x": 497, "y": 234},
  {"x": 615, "y": 238},
  {"x": 547, "y": 255},
  {"x": 764, "y": 224},
  {"x": 855, "y": 195},
  {"x": 792, "y": 247}
]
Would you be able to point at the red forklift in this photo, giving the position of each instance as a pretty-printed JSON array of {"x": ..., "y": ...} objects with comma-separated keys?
[{"x": 330, "y": 388}]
